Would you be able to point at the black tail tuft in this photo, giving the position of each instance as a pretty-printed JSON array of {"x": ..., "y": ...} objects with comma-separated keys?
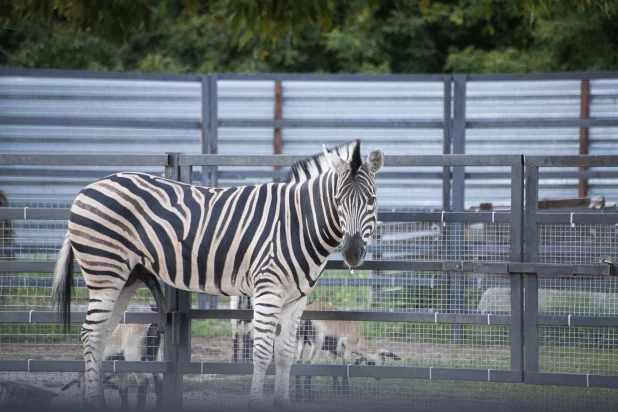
[{"x": 63, "y": 283}]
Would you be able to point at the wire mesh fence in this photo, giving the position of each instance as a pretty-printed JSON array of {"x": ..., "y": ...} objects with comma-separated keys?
[{"x": 390, "y": 344}]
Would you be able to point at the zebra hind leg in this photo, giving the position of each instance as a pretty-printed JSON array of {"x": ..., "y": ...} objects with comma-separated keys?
[{"x": 108, "y": 301}]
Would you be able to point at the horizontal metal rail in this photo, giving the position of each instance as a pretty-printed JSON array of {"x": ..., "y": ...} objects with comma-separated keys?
[
  {"x": 100, "y": 122},
  {"x": 571, "y": 379},
  {"x": 36, "y": 365},
  {"x": 410, "y": 316},
  {"x": 540, "y": 122},
  {"x": 333, "y": 77},
  {"x": 334, "y": 123},
  {"x": 227, "y": 314},
  {"x": 366, "y": 316},
  {"x": 541, "y": 76},
  {"x": 353, "y": 371},
  {"x": 76, "y": 317},
  {"x": 82, "y": 74},
  {"x": 286, "y": 160},
  {"x": 42, "y": 213},
  {"x": 578, "y": 320},
  {"x": 541, "y": 269},
  {"x": 83, "y": 160},
  {"x": 577, "y": 217},
  {"x": 224, "y": 368},
  {"x": 573, "y": 161},
  {"x": 269, "y": 174}
]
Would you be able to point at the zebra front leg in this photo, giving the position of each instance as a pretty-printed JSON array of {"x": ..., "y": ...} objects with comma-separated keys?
[
  {"x": 285, "y": 348},
  {"x": 266, "y": 313}
]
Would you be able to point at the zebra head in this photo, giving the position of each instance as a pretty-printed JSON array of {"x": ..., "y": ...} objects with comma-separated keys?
[{"x": 355, "y": 196}]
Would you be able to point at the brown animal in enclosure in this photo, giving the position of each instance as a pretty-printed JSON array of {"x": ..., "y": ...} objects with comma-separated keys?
[
  {"x": 341, "y": 340},
  {"x": 131, "y": 342}
]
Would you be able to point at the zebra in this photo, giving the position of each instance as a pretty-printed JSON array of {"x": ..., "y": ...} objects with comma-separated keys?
[{"x": 269, "y": 241}]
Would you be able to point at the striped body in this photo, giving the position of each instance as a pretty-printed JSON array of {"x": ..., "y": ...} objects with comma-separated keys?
[{"x": 214, "y": 241}]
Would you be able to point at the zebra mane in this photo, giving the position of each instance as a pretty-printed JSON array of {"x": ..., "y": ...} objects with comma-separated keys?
[{"x": 317, "y": 164}]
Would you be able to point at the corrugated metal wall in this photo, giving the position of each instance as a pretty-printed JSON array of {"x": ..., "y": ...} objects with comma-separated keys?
[
  {"x": 57, "y": 98},
  {"x": 87, "y": 99}
]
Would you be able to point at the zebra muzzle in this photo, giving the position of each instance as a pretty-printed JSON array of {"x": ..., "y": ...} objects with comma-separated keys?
[{"x": 353, "y": 250}]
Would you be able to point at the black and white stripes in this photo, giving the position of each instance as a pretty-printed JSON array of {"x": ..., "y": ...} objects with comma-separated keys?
[{"x": 268, "y": 241}]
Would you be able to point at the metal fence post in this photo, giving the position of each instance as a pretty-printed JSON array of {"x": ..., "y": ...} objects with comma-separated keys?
[
  {"x": 177, "y": 330},
  {"x": 446, "y": 190},
  {"x": 446, "y": 144},
  {"x": 456, "y": 237},
  {"x": 517, "y": 255},
  {"x": 184, "y": 297},
  {"x": 205, "y": 149},
  {"x": 213, "y": 148},
  {"x": 531, "y": 287}
]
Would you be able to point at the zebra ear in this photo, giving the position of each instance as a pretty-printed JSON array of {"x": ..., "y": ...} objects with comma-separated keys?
[
  {"x": 335, "y": 163},
  {"x": 375, "y": 161}
]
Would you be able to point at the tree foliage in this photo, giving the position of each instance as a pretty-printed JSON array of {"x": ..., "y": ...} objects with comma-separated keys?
[{"x": 357, "y": 36}]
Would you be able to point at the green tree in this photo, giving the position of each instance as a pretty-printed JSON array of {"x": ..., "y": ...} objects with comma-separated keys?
[{"x": 358, "y": 36}]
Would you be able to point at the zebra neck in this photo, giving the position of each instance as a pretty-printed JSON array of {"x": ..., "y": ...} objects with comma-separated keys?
[{"x": 321, "y": 218}]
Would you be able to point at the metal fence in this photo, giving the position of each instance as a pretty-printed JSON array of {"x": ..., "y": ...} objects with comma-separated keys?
[
  {"x": 444, "y": 289},
  {"x": 568, "y": 341}
]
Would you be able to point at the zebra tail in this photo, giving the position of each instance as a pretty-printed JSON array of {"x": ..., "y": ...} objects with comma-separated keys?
[{"x": 63, "y": 283}]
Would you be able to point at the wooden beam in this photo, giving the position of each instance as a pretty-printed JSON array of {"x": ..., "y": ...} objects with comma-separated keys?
[
  {"x": 278, "y": 142},
  {"x": 584, "y": 113}
]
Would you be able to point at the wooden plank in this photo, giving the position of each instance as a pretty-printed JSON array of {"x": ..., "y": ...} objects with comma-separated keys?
[
  {"x": 575, "y": 203},
  {"x": 278, "y": 141},
  {"x": 584, "y": 113}
]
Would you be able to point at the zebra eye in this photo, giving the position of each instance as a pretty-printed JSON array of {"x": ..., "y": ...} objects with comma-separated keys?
[{"x": 371, "y": 201}]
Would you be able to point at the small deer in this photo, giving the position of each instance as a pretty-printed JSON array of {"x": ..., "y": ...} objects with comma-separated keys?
[
  {"x": 131, "y": 342},
  {"x": 341, "y": 340}
]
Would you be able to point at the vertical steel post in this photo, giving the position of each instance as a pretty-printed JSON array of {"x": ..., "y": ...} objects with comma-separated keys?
[
  {"x": 446, "y": 191},
  {"x": 531, "y": 287},
  {"x": 213, "y": 148},
  {"x": 446, "y": 145},
  {"x": 457, "y": 228},
  {"x": 205, "y": 149},
  {"x": 214, "y": 126},
  {"x": 172, "y": 381},
  {"x": 184, "y": 297},
  {"x": 205, "y": 136},
  {"x": 517, "y": 255}
]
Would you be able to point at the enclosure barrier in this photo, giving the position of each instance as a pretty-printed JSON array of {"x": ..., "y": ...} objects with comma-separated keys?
[{"x": 523, "y": 263}]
